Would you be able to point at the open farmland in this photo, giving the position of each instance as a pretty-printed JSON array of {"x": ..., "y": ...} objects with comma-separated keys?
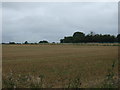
[{"x": 57, "y": 65}]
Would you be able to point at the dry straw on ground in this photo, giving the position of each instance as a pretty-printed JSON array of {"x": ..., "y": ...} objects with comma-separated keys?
[{"x": 59, "y": 65}]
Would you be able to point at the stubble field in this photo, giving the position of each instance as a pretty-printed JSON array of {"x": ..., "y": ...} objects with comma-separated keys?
[{"x": 56, "y": 66}]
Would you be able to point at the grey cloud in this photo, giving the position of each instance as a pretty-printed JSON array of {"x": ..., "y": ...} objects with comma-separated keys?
[{"x": 52, "y": 21}]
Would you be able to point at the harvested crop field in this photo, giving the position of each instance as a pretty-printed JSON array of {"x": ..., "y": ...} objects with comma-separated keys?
[{"x": 56, "y": 66}]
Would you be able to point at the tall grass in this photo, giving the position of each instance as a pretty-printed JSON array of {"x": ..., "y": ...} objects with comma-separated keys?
[
  {"x": 58, "y": 66},
  {"x": 110, "y": 81},
  {"x": 30, "y": 81}
]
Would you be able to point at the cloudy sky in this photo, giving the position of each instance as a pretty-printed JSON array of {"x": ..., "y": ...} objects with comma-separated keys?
[{"x": 35, "y": 21}]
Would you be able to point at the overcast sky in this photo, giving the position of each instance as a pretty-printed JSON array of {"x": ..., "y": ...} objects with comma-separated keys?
[{"x": 52, "y": 21}]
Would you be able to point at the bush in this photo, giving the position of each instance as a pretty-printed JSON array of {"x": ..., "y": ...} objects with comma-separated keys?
[
  {"x": 11, "y": 42},
  {"x": 43, "y": 41}
]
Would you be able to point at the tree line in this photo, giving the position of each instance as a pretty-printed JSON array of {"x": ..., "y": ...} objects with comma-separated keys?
[
  {"x": 80, "y": 37},
  {"x": 26, "y": 42}
]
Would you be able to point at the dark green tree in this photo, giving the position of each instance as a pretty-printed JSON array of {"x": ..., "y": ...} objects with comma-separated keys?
[
  {"x": 68, "y": 39},
  {"x": 78, "y": 37},
  {"x": 44, "y": 41},
  {"x": 118, "y": 38},
  {"x": 11, "y": 42},
  {"x": 26, "y": 42}
]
